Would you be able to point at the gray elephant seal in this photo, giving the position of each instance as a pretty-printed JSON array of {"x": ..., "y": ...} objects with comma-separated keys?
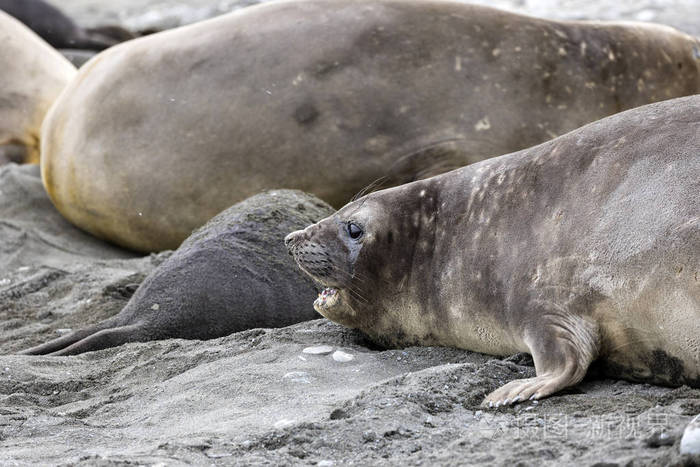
[
  {"x": 326, "y": 97},
  {"x": 232, "y": 274},
  {"x": 59, "y": 30},
  {"x": 32, "y": 74},
  {"x": 585, "y": 247}
]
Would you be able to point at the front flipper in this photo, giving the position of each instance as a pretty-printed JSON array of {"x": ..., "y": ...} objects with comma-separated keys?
[{"x": 563, "y": 347}]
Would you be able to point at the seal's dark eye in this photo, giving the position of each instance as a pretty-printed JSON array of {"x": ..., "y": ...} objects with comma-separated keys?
[{"x": 354, "y": 231}]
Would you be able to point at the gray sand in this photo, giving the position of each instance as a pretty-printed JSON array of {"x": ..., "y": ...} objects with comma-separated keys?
[{"x": 255, "y": 397}]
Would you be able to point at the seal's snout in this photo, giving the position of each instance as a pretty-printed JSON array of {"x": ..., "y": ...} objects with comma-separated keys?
[{"x": 293, "y": 240}]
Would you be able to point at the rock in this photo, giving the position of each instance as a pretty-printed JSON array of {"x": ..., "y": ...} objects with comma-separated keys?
[
  {"x": 369, "y": 436},
  {"x": 339, "y": 414},
  {"x": 660, "y": 438}
]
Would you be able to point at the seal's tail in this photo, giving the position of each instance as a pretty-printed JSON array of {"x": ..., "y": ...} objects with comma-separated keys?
[{"x": 99, "y": 336}]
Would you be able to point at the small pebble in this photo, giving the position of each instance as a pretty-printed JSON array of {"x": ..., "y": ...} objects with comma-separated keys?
[
  {"x": 325, "y": 463},
  {"x": 342, "y": 357},
  {"x": 339, "y": 414},
  {"x": 318, "y": 350},
  {"x": 369, "y": 436},
  {"x": 660, "y": 438}
]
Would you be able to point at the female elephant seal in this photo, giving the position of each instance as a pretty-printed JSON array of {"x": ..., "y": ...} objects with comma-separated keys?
[
  {"x": 581, "y": 248},
  {"x": 231, "y": 275},
  {"x": 159, "y": 134},
  {"x": 32, "y": 74}
]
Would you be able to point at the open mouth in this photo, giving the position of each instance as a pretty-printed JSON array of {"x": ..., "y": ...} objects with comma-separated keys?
[{"x": 327, "y": 298}]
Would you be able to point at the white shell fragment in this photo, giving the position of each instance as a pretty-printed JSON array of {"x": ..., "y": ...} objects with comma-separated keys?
[
  {"x": 342, "y": 357},
  {"x": 284, "y": 423},
  {"x": 318, "y": 350}
]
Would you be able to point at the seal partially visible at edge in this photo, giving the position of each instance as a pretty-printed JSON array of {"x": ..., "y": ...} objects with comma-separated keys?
[{"x": 32, "y": 75}]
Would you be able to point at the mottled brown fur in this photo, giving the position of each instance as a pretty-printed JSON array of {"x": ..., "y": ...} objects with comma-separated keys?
[{"x": 582, "y": 248}]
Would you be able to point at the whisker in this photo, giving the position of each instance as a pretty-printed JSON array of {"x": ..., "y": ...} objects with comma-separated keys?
[
  {"x": 347, "y": 274},
  {"x": 369, "y": 187},
  {"x": 350, "y": 288},
  {"x": 357, "y": 295}
]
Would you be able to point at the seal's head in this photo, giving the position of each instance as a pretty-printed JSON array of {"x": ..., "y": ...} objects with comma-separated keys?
[
  {"x": 364, "y": 254},
  {"x": 329, "y": 251}
]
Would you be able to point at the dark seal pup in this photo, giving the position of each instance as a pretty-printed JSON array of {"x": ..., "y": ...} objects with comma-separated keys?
[
  {"x": 232, "y": 274},
  {"x": 585, "y": 247},
  {"x": 59, "y": 30},
  {"x": 326, "y": 97}
]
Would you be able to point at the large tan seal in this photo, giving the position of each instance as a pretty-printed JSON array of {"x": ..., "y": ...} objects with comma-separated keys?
[
  {"x": 585, "y": 247},
  {"x": 159, "y": 134},
  {"x": 32, "y": 74}
]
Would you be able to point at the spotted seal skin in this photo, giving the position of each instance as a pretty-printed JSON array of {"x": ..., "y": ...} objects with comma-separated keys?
[
  {"x": 583, "y": 248},
  {"x": 326, "y": 97},
  {"x": 32, "y": 74},
  {"x": 231, "y": 275}
]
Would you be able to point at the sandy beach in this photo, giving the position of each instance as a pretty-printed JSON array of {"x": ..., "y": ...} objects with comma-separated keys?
[{"x": 310, "y": 394}]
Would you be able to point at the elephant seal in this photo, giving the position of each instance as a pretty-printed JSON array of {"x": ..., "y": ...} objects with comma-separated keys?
[
  {"x": 32, "y": 76},
  {"x": 326, "y": 97},
  {"x": 582, "y": 248},
  {"x": 232, "y": 274},
  {"x": 59, "y": 30}
]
